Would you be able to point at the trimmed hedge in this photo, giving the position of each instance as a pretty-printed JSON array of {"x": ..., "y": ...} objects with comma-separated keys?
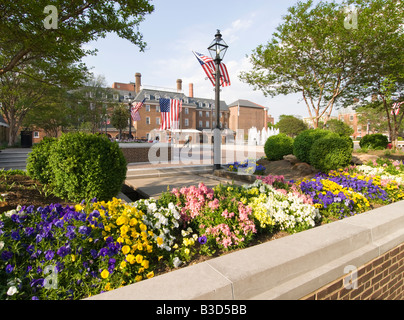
[
  {"x": 278, "y": 146},
  {"x": 38, "y": 161},
  {"x": 79, "y": 166},
  {"x": 374, "y": 141},
  {"x": 305, "y": 140},
  {"x": 87, "y": 166},
  {"x": 330, "y": 153}
]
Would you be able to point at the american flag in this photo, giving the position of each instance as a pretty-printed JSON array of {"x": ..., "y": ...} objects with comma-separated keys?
[
  {"x": 135, "y": 110},
  {"x": 208, "y": 65},
  {"x": 396, "y": 108},
  {"x": 170, "y": 110}
]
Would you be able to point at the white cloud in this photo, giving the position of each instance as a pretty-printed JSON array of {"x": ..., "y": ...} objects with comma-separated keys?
[{"x": 231, "y": 34}]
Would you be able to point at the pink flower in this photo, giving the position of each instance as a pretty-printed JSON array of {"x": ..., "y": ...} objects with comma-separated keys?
[{"x": 214, "y": 204}]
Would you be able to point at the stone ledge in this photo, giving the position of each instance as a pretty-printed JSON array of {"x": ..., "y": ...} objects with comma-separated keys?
[{"x": 286, "y": 268}]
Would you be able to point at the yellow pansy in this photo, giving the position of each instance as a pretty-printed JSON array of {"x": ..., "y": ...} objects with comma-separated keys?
[
  {"x": 125, "y": 249},
  {"x": 138, "y": 278},
  {"x": 130, "y": 258},
  {"x": 123, "y": 264},
  {"x": 145, "y": 264},
  {"x": 139, "y": 258},
  {"x": 159, "y": 241},
  {"x": 150, "y": 275},
  {"x": 104, "y": 274}
]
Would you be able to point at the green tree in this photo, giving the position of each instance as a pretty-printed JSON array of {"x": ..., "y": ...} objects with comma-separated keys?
[
  {"x": 24, "y": 37},
  {"x": 290, "y": 125},
  {"x": 120, "y": 118},
  {"x": 339, "y": 127},
  {"x": 315, "y": 54},
  {"x": 373, "y": 118},
  {"x": 33, "y": 87}
]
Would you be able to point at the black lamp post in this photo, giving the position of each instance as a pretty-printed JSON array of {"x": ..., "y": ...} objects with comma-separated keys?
[
  {"x": 130, "y": 119},
  {"x": 217, "y": 50}
]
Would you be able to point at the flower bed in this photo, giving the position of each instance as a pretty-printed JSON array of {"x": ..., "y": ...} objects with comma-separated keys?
[{"x": 72, "y": 252}]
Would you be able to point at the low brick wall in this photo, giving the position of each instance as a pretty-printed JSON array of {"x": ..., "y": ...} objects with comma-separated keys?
[
  {"x": 380, "y": 279},
  {"x": 146, "y": 152}
]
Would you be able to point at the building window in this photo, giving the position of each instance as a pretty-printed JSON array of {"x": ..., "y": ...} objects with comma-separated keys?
[
  {"x": 147, "y": 120},
  {"x": 350, "y": 118},
  {"x": 158, "y": 108},
  {"x": 207, "y": 124},
  {"x": 186, "y": 111},
  {"x": 36, "y": 134},
  {"x": 200, "y": 124},
  {"x": 207, "y": 113},
  {"x": 147, "y": 107},
  {"x": 186, "y": 123},
  {"x": 158, "y": 120},
  {"x": 200, "y": 114}
]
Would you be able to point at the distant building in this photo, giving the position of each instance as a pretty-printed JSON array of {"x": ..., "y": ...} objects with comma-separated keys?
[
  {"x": 198, "y": 113},
  {"x": 245, "y": 114}
]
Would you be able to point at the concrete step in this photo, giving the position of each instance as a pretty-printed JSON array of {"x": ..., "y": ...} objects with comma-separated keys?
[{"x": 167, "y": 172}]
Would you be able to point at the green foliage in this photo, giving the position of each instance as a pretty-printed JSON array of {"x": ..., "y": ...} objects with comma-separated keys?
[
  {"x": 374, "y": 141},
  {"x": 304, "y": 141},
  {"x": 290, "y": 125},
  {"x": 38, "y": 161},
  {"x": 278, "y": 146},
  {"x": 87, "y": 166},
  {"x": 330, "y": 153},
  {"x": 339, "y": 127}
]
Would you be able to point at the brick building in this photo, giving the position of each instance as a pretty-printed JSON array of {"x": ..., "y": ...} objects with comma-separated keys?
[
  {"x": 198, "y": 114},
  {"x": 245, "y": 114}
]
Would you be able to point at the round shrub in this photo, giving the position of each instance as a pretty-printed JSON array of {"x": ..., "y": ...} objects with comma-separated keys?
[
  {"x": 278, "y": 146},
  {"x": 38, "y": 161},
  {"x": 87, "y": 166},
  {"x": 304, "y": 141},
  {"x": 374, "y": 141},
  {"x": 330, "y": 153}
]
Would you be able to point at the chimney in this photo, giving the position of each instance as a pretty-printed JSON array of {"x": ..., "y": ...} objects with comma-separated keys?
[
  {"x": 191, "y": 90},
  {"x": 179, "y": 85},
  {"x": 138, "y": 82}
]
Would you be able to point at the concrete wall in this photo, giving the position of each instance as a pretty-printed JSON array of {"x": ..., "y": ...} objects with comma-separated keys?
[{"x": 300, "y": 266}]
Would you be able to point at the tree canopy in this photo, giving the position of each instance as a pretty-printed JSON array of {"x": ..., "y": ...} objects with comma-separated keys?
[
  {"x": 314, "y": 52},
  {"x": 24, "y": 36}
]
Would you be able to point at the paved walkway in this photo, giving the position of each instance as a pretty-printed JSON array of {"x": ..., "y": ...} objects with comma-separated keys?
[{"x": 187, "y": 168}]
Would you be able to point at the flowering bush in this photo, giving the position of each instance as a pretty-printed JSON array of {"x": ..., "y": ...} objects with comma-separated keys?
[
  {"x": 222, "y": 221},
  {"x": 69, "y": 252},
  {"x": 175, "y": 244},
  {"x": 279, "y": 210},
  {"x": 246, "y": 167}
]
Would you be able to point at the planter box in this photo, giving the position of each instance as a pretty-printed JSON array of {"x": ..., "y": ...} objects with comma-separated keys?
[{"x": 310, "y": 264}]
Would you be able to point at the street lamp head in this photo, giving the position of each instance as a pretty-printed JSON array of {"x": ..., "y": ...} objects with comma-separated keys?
[{"x": 218, "y": 47}]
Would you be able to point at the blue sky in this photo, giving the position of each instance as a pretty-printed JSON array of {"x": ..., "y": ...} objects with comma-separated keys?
[{"x": 176, "y": 28}]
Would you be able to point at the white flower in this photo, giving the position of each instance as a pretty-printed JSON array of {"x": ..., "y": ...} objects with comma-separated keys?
[
  {"x": 1, "y": 245},
  {"x": 177, "y": 262},
  {"x": 12, "y": 290},
  {"x": 10, "y": 213}
]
